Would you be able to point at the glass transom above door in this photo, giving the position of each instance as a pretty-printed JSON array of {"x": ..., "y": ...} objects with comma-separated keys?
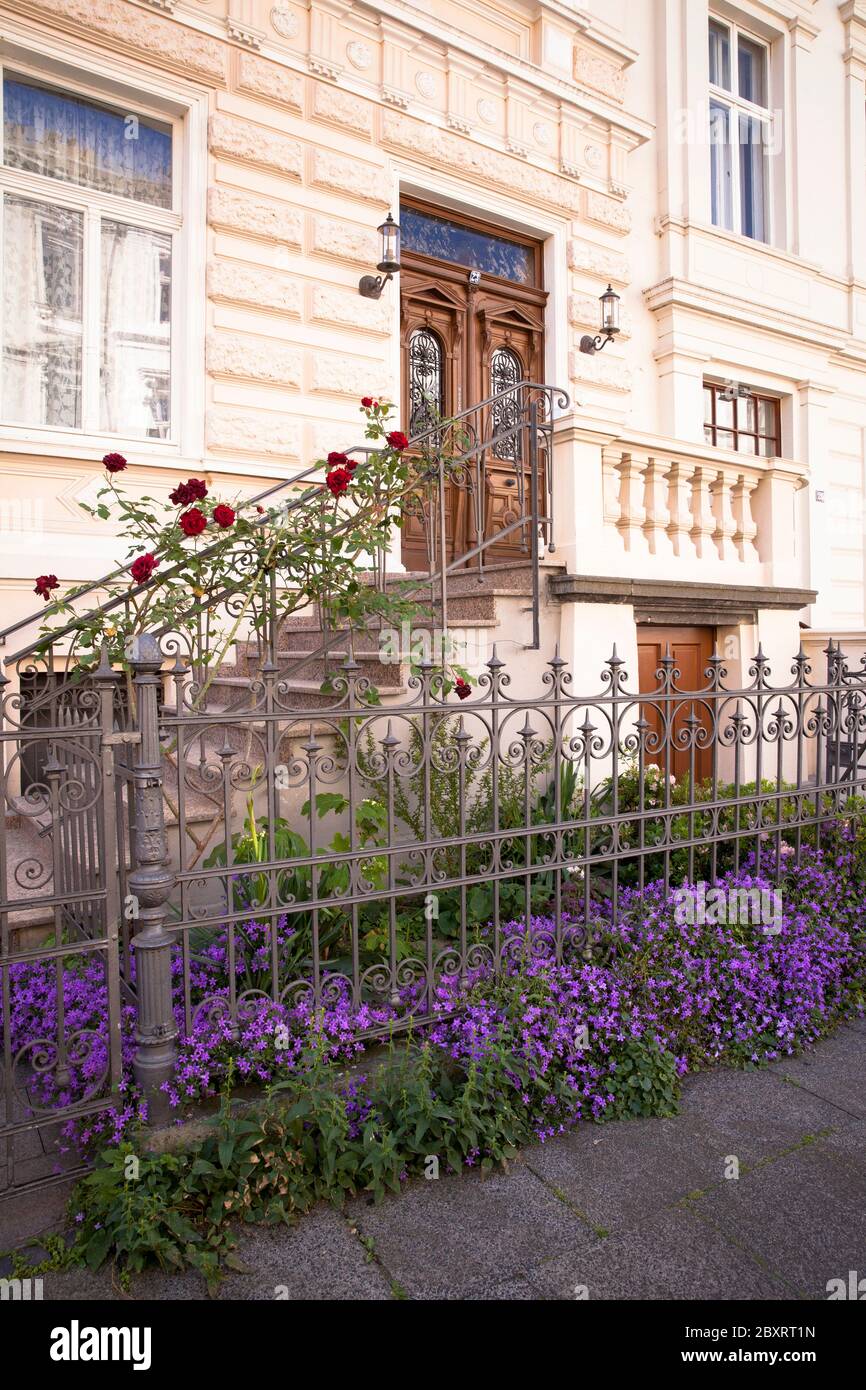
[{"x": 477, "y": 250}]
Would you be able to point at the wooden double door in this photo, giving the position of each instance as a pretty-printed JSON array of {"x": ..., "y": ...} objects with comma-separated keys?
[{"x": 465, "y": 336}]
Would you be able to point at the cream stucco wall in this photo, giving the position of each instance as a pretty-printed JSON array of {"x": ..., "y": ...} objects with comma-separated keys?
[{"x": 302, "y": 124}]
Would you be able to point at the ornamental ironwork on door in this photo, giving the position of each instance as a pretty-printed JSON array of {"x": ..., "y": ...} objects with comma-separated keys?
[
  {"x": 426, "y": 395},
  {"x": 506, "y": 372}
]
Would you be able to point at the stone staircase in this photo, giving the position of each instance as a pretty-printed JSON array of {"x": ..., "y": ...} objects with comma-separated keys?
[{"x": 475, "y": 610}]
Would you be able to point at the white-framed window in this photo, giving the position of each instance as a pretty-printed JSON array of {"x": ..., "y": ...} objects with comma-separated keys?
[
  {"x": 90, "y": 228},
  {"x": 741, "y": 130}
]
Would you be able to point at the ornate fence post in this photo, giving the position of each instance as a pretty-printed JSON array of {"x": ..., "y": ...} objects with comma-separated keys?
[{"x": 151, "y": 883}]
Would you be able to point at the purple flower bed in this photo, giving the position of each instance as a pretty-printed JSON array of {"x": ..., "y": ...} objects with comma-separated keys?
[{"x": 563, "y": 1042}]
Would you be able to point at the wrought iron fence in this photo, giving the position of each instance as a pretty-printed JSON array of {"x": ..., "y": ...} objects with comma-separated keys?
[
  {"x": 60, "y": 916},
  {"x": 269, "y": 838},
  {"x": 106, "y": 811},
  {"x": 365, "y": 853}
]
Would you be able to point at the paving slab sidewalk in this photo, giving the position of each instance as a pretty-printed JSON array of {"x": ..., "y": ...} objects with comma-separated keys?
[{"x": 635, "y": 1209}]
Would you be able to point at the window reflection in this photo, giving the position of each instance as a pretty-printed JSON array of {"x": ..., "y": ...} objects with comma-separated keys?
[
  {"x": 449, "y": 241},
  {"x": 136, "y": 329},
  {"x": 42, "y": 311},
  {"x": 63, "y": 136}
]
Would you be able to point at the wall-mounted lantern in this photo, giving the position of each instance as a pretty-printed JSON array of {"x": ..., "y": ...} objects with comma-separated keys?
[
  {"x": 609, "y": 302},
  {"x": 371, "y": 286}
]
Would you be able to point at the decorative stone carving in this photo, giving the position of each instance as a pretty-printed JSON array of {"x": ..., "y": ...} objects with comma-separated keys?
[
  {"x": 342, "y": 109},
  {"x": 265, "y": 79},
  {"x": 487, "y": 111},
  {"x": 593, "y": 156},
  {"x": 458, "y": 123},
  {"x": 285, "y": 21},
  {"x": 349, "y": 309},
  {"x": 597, "y": 260},
  {"x": 252, "y": 432},
  {"x": 569, "y": 169},
  {"x": 335, "y": 434},
  {"x": 600, "y": 208},
  {"x": 323, "y": 67},
  {"x": 601, "y": 74},
  {"x": 343, "y": 376},
  {"x": 338, "y": 238},
  {"x": 247, "y": 284},
  {"x": 478, "y": 162},
  {"x": 246, "y": 34},
  {"x": 599, "y": 370},
  {"x": 234, "y": 138},
  {"x": 134, "y": 30},
  {"x": 426, "y": 84},
  {"x": 344, "y": 175},
  {"x": 256, "y": 359},
  {"x": 167, "y": 6},
  {"x": 515, "y": 147},
  {"x": 394, "y": 97},
  {"x": 359, "y": 55},
  {"x": 239, "y": 211}
]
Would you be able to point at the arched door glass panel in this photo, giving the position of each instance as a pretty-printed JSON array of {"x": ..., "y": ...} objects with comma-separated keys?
[
  {"x": 426, "y": 380},
  {"x": 506, "y": 371}
]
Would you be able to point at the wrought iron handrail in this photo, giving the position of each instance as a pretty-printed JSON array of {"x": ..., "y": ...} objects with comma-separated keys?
[{"x": 540, "y": 400}]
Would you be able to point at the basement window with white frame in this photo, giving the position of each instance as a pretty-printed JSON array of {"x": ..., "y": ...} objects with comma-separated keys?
[
  {"x": 89, "y": 228},
  {"x": 741, "y": 130}
]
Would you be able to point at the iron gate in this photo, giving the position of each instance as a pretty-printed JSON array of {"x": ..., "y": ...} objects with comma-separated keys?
[{"x": 60, "y": 915}]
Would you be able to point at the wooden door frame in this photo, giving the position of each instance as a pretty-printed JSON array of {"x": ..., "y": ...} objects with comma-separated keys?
[{"x": 448, "y": 285}]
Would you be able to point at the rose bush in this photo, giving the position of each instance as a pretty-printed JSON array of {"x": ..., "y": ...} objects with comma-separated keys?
[{"x": 318, "y": 540}]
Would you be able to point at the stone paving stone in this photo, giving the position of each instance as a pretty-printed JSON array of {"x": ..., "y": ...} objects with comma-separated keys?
[
  {"x": 754, "y": 1114},
  {"x": 30, "y": 1214},
  {"x": 836, "y": 1071},
  {"x": 316, "y": 1259},
  {"x": 674, "y": 1255},
  {"x": 849, "y": 1146},
  {"x": 783, "y": 1229},
  {"x": 617, "y": 1174},
  {"x": 462, "y": 1237},
  {"x": 800, "y": 1214}
]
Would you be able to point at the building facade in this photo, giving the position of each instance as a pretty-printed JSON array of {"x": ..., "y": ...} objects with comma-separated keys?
[{"x": 191, "y": 191}]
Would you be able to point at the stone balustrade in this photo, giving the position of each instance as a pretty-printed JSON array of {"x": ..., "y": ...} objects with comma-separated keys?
[{"x": 673, "y": 506}]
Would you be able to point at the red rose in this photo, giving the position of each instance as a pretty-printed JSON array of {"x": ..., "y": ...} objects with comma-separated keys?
[
  {"x": 336, "y": 460},
  {"x": 260, "y": 510},
  {"x": 143, "y": 567},
  {"x": 193, "y": 522},
  {"x": 462, "y": 689},
  {"x": 338, "y": 480},
  {"x": 195, "y": 490},
  {"x": 366, "y": 402},
  {"x": 114, "y": 463},
  {"x": 44, "y": 584},
  {"x": 224, "y": 516},
  {"x": 397, "y": 440}
]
